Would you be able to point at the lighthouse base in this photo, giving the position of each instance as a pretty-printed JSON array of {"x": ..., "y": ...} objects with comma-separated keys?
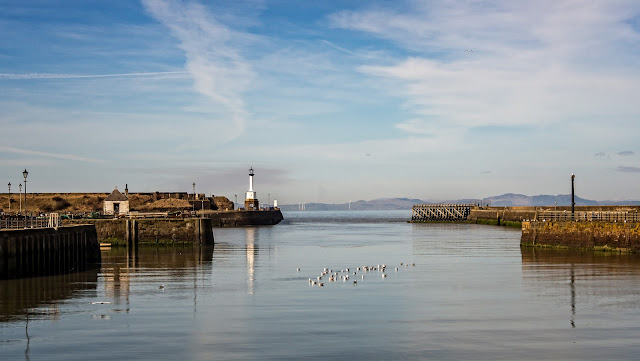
[{"x": 251, "y": 204}]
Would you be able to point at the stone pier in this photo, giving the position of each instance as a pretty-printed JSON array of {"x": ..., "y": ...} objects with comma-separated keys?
[
  {"x": 153, "y": 231},
  {"x": 33, "y": 252}
]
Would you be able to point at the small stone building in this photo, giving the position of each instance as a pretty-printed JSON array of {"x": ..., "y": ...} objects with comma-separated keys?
[{"x": 116, "y": 203}]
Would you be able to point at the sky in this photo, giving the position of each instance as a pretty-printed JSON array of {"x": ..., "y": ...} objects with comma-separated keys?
[{"x": 328, "y": 101}]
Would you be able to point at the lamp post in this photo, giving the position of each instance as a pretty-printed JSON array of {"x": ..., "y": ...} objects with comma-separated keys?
[
  {"x": 25, "y": 174},
  {"x": 269, "y": 200},
  {"x": 20, "y": 197},
  {"x": 573, "y": 201},
  {"x": 9, "y": 197},
  {"x": 235, "y": 205},
  {"x": 194, "y": 196}
]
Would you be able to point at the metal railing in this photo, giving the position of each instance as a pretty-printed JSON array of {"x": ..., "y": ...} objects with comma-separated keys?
[
  {"x": 53, "y": 220},
  {"x": 613, "y": 216}
]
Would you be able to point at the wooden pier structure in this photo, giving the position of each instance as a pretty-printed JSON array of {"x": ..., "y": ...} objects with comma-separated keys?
[{"x": 441, "y": 212}]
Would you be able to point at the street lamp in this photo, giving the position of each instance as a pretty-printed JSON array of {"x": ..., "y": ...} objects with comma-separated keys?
[
  {"x": 25, "y": 174},
  {"x": 20, "y": 197},
  {"x": 235, "y": 205},
  {"x": 194, "y": 196},
  {"x": 9, "y": 197},
  {"x": 269, "y": 200}
]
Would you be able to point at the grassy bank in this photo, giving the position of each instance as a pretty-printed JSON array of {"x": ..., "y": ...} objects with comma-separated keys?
[
  {"x": 604, "y": 250},
  {"x": 495, "y": 222}
]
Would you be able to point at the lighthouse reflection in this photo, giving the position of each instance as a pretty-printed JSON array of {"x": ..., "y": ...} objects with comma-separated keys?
[{"x": 251, "y": 251}]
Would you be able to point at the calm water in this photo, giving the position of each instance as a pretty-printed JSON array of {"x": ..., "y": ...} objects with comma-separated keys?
[{"x": 472, "y": 294}]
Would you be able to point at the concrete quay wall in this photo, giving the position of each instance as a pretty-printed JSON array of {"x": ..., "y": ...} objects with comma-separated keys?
[
  {"x": 245, "y": 218},
  {"x": 615, "y": 236},
  {"x": 122, "y": 231},
  {"x": 35, "y": 252},
  {"x": 511, "y": 214}
]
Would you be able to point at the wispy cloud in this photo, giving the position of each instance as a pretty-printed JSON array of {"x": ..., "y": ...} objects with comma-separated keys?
[
  {"x": 218, "y": 69},
  {"x": 600, "y": 154},
  {"x": 533, "y": 64},
  {"x": 626, "y": 153},
  {"x": 628, "y": 169},
  {"x": 79, "y": 76},
  {"x": 48, "y": 154}
]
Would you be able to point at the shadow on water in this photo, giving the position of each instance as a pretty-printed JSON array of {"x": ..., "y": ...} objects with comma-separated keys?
[
  {"x": 19, "y": 297},
  {"x": 612, "y": 279}
]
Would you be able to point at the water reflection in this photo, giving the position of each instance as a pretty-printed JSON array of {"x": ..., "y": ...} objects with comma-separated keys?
[
  {"x": 121, "y": 267},
  {"x": 19, "y": 297},
  {"x": 251, "y": 253},
  {"x": 241, "y": 248},
  {"x": 608, "y": 280}
]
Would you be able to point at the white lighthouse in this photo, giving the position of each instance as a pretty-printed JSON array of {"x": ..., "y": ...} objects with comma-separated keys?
[{"x": 251, "y": 201}]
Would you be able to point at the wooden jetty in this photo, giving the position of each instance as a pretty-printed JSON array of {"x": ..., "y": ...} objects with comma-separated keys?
[{"x": 441, "y": 212}]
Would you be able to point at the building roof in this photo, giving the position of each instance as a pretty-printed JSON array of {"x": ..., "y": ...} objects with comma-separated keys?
[{"x": 116, "y": 196}]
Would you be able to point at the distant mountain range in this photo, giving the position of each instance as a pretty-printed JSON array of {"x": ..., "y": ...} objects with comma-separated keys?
[{"x": 505, "y": 200}]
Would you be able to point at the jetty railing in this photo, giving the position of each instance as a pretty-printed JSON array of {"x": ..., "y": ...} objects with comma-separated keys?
[
  {"x": 52, "y": 221},
  {"x": 602, "y": 216}
]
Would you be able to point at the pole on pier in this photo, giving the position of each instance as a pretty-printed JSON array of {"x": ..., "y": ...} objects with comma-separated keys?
[{"x": 573, "y": 193}]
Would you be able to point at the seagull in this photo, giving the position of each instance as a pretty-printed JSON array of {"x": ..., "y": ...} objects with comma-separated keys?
[{"x": 469, "y": 50}]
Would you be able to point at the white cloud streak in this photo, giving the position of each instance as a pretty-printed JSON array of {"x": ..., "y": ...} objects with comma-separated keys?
[
  {"x": 218, "y": 69},
  {"x": 49, "y": 154},
  {"x": 28, "y": 76}
]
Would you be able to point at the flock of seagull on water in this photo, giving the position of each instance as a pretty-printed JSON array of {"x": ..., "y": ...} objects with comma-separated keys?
[{"x": 345, "y": 274}]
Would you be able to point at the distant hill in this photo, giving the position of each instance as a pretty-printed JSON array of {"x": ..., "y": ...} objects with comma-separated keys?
[
  {"x": 376, "y": 204},
  {"x": 505, "y": 200},
  {"x": 511, "y": 200}
]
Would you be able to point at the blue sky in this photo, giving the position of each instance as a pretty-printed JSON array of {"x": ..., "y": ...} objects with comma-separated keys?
[{"x": 329, "y": 101}]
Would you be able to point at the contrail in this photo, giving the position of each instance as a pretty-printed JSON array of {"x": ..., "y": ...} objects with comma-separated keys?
[{"x": 77, "y": 76}]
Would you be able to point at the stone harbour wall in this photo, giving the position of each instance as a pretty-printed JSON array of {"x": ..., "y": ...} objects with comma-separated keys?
[
  {"x": 615, "y": 236},
  {"x": 122, "y": 231},
  {"x": 32, "y": 252}
]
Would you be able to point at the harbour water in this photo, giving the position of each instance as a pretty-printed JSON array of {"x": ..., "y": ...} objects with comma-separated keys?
[{"x": 472, "y": 294}]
